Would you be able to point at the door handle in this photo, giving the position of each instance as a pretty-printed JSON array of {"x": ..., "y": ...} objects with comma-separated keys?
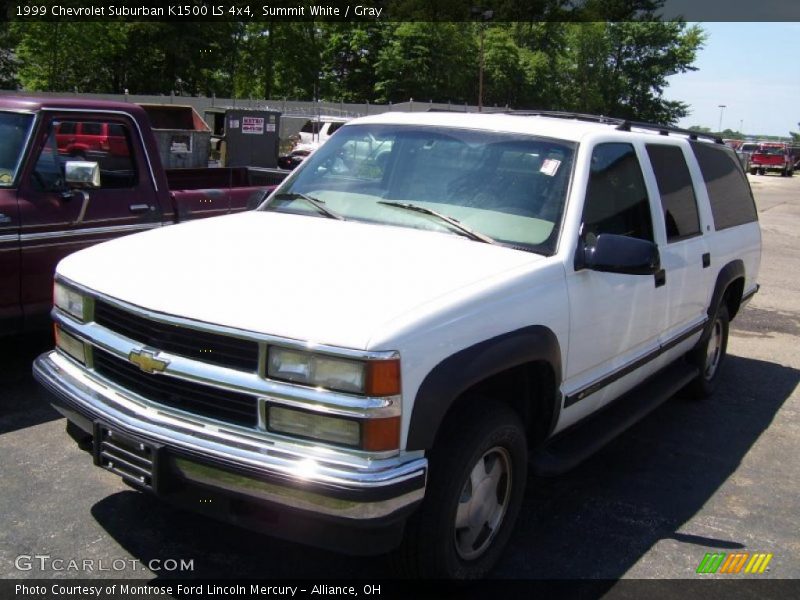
[
  {"x": 660, "y": 277},
  {"x": 140, "y": 208},
  {"x": 706, "y": 260}
]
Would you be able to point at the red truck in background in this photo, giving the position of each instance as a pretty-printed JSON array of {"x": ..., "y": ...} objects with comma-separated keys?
[
  {"x": 57, "y": 197},
  {"x": 772, "y": 156}
]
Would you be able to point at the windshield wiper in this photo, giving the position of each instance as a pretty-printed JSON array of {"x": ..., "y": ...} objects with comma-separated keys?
[
  {"x": 316, "y": 203},
  {"x": 470, "y": 233}
]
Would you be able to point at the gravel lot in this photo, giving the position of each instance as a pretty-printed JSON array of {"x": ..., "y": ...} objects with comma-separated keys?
[{"x": 692, "y": 478}]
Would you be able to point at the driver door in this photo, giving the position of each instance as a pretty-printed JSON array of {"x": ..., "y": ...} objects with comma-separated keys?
[{"x": 56, "y": 221}]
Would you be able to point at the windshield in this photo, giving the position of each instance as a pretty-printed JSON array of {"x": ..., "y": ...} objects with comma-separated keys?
[
  {"x": 14, "y": 129},
  {"x": 505, "y": 187}
]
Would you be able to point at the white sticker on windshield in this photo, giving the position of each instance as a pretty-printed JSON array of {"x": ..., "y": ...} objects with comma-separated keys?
[{"x": 550, "y": 166}]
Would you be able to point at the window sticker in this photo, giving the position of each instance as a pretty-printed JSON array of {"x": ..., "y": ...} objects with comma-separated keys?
[{"x": 550, "y": 166}]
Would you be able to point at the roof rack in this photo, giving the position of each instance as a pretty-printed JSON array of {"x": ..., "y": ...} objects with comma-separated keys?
[{"x": 621, "y": 124}]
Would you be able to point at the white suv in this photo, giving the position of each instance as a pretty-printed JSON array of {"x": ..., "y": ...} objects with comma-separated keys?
[
  {"x": 428, "y": 305},
  {"x": 316, "y": 132}
]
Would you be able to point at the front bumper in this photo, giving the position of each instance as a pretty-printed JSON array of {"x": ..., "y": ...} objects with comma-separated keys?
[{"x": 249, "y": 480}]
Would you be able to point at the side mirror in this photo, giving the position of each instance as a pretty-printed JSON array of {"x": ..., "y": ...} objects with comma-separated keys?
[
  {"x": 79, "y": 174},
  {"x": 618, "y": 254}
]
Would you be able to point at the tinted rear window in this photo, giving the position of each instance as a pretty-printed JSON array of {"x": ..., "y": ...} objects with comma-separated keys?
[
  {"x": 731, "y": 201},
  {"x": 677, "y": 194}
]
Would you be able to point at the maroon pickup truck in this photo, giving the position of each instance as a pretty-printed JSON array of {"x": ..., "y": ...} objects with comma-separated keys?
[{"x": 53, "y": 202}]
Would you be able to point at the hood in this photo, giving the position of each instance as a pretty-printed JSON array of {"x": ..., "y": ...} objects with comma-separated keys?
[{"x": 307, "y": 278}]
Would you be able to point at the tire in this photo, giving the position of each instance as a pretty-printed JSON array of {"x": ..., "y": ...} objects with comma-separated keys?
[
  {"x": 709, "y": 355},
  {"x": 753, "y": 171},
  {"x": 476, "y": 482}
]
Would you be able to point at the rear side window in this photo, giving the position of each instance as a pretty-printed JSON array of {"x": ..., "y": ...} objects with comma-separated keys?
[
  {"x": 616, "y": 198},
  {"x": 311, "y": 127},
  {"x": 675, "y": 188},
  {"x": 92, "y": 129},
  {"x": 731, "y": 201},
  {"x": 67, "y": 127}
]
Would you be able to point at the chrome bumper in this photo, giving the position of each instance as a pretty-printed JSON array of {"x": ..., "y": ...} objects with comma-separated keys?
[{"x": 320, "y": 483}]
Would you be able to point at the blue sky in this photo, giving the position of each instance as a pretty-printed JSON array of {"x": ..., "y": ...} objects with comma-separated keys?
[{"x": 751, "y": 68}]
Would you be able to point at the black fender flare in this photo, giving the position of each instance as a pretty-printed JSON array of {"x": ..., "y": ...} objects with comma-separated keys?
[
  {"x": 449, "y": 379},
  {"x": 728, "y": 274}
]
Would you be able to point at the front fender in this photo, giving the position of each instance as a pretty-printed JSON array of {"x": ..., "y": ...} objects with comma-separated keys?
[{"x": 448, "y": 380}]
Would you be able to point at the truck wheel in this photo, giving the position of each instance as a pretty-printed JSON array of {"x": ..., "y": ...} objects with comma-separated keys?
[
  {"x": 476, "y": 483},
  {"x": 709, "y": 355},
  {"x": 753, "y": 171}
]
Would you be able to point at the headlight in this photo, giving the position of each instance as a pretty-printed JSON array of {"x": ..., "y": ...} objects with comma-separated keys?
[
  {"x": 68, "y": 300},
  {"x": 372, "y": 435},
  {"x": 314, "y": 426},
  {"x": 370, "y": 377},
  {"x": 70, "y": 345}
]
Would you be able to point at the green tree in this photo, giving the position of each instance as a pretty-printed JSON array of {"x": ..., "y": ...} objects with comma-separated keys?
[
  {"x": 643, "y": 55},
  {"x": 504, "y": 74},
  {"x": 8, "y": 59},
  {"x": 348, "y": 58},
  {"x": 428, "y": 61}
]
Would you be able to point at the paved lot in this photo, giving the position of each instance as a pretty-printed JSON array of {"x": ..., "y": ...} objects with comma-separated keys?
[{"x": 719, "y": 475}]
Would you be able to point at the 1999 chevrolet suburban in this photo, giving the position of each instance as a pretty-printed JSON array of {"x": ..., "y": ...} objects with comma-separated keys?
[{"x": 427, "y": 308}]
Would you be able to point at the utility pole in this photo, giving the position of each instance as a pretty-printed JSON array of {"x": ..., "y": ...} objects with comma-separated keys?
[
  {"x": 722, "y": 108},
  {"x": 483, "y": 16}
]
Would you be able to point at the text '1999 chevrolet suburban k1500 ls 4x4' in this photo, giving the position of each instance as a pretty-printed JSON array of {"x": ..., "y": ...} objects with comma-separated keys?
[
  {"x": 428, "y": 304},
  {"x": 76, "y": 172}
]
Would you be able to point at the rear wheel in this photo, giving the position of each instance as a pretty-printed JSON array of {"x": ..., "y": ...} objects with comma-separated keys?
[
  {"x": 476, "y": 483},
  {"x": 709, "y": 355}
]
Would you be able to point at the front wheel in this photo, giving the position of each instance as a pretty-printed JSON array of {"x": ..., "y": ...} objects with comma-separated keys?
[
  {"x": 476, "y": 483},
  {"x": 709, "y": 355}
]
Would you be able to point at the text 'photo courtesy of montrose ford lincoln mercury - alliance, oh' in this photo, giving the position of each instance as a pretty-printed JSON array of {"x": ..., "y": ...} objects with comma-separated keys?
[{"x": 432, "y": 306}]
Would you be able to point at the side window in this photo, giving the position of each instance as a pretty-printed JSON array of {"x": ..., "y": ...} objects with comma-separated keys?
[
  {"x": 677, "y": 194},
  {"x": 616, "y": 198},
  {"x": 92, "y": 129},
  {"x": 728, "y": 191},
  {"x": 333, "y": 127},
  {"x": 67, "y": 127},
  {"x": 113, "y": 153}
]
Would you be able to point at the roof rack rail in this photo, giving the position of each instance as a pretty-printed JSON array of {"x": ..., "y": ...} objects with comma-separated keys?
[
  {"x": 567, "y": 115},
  {"x": 622, "y": 124},
  {"x": 667, "y": 129}
]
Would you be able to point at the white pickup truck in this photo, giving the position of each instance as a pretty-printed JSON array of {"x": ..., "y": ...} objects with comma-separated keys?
[{"x": 427, "y": 309}]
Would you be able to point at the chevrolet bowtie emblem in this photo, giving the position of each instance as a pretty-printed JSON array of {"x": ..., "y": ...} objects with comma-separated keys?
[{"x": 147, "y": 361}]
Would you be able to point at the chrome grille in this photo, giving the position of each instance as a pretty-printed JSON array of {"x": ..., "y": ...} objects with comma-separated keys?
[
  {"x": 208, "y": 347},
  {"x": 222, "y": 405}
]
